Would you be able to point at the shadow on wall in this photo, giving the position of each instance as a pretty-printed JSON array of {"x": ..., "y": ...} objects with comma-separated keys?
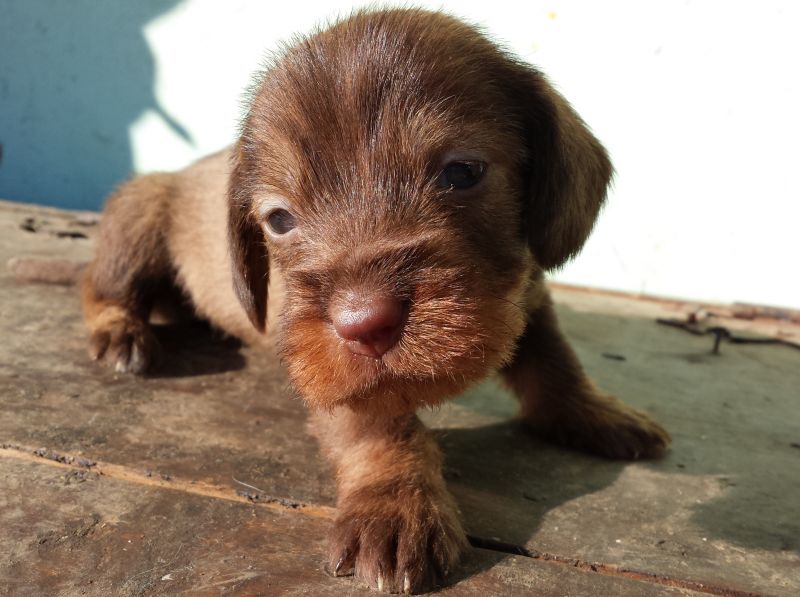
[{"x": 73, "y": 77}]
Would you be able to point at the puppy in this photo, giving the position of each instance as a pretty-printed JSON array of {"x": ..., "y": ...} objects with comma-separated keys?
[{"x": 398, "y": 190}]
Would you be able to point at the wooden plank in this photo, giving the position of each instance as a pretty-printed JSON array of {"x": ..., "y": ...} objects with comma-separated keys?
[{"x": 77, "y": 532}]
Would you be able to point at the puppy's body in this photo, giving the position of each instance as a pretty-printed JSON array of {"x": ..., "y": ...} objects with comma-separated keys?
[
  {"x": 398, "y": 190},
  {"x": 198, "y": 210},
  {"x": 179, "y": 223}
]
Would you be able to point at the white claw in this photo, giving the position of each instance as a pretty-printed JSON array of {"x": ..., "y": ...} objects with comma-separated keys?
[
  {"x": 120, "y": 367},
  {"x": 380, "y": 582},
  {"x": 137, "y": 358},
  {"x": 406, "y": 583}
]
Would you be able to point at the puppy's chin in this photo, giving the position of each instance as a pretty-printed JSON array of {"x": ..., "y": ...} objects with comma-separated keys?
[{"x": 444, "y": 349}]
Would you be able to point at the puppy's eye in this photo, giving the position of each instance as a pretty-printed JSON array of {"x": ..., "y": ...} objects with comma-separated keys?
[
  {"x": 461, "y": 175},
  {"x": 281, "y": 221}
]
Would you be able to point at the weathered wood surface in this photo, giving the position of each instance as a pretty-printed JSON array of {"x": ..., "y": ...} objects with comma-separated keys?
[{"x": 719, "y": 513}]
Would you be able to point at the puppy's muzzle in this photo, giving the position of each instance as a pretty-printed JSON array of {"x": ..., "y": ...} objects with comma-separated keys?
[{"x": 370, "y": 323}]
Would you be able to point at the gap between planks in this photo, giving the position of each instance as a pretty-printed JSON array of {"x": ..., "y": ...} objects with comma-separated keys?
[{"x": 201, "y": 488}]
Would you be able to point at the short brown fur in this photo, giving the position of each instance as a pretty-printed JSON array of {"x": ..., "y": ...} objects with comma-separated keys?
[{"x": 350, "y": 129}]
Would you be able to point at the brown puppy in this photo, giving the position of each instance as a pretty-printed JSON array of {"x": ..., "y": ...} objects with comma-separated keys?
[{"x": 401, "y": 185}]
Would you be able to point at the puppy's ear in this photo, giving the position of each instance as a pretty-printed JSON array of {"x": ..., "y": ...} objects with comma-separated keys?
[
  {"x": 569, "y": 171},
  {"x": 247, "y": 244}
]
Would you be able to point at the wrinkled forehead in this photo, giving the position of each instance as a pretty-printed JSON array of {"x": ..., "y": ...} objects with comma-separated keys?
[{"x": 377, "y": 104}]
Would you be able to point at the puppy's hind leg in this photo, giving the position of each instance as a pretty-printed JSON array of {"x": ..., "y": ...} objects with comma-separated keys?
[
  {"x": 132, "y": 266},
  {"x": 561, "y": 403}
]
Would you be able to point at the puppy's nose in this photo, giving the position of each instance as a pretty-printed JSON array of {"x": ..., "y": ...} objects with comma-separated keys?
[{"x": 371, "y": 324}]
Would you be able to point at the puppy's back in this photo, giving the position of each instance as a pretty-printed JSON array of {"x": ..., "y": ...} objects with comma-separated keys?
[{"x": 198, "y": 244}]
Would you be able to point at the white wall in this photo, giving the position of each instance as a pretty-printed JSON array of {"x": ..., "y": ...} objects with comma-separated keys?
[{"x": 696, "y": 101}]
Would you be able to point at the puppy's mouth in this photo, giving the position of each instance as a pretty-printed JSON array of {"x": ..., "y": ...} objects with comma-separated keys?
[
  {"x": 398, "y": 342},
  {"x": 433, "y": 351}
]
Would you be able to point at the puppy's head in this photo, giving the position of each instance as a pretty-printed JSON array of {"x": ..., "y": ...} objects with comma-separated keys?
[{"x": 412, "y": 182}]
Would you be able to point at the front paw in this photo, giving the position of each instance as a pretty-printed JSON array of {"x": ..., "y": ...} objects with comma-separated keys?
[
  {"x": 606, "y": 426},
  {"x": 402, "y": 538}
]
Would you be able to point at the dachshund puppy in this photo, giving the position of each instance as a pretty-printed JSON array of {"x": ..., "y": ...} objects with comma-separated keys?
[{"x": 398, "y": 190}]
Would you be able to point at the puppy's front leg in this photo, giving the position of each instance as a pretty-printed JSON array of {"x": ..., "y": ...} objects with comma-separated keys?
[
  {"x": 397, "y": 526},
  {"x": 560, "y": 402}
]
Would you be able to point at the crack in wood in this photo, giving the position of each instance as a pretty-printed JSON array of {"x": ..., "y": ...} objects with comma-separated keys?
[
  {"x": 147, "y": 478},
  {"x": 607, "y": 569}
]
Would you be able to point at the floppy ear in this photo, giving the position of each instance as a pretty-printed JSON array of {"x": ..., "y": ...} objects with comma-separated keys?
[
  {"x": 248, "y": 248},
  {"x": 569, "y": 173}
]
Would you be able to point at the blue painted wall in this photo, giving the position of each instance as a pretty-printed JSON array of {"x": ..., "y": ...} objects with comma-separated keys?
[{"x": 73, "y": 76}]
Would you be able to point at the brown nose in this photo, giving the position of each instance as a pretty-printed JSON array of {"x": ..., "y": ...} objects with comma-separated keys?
[{"x": 371, "y": 324}]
